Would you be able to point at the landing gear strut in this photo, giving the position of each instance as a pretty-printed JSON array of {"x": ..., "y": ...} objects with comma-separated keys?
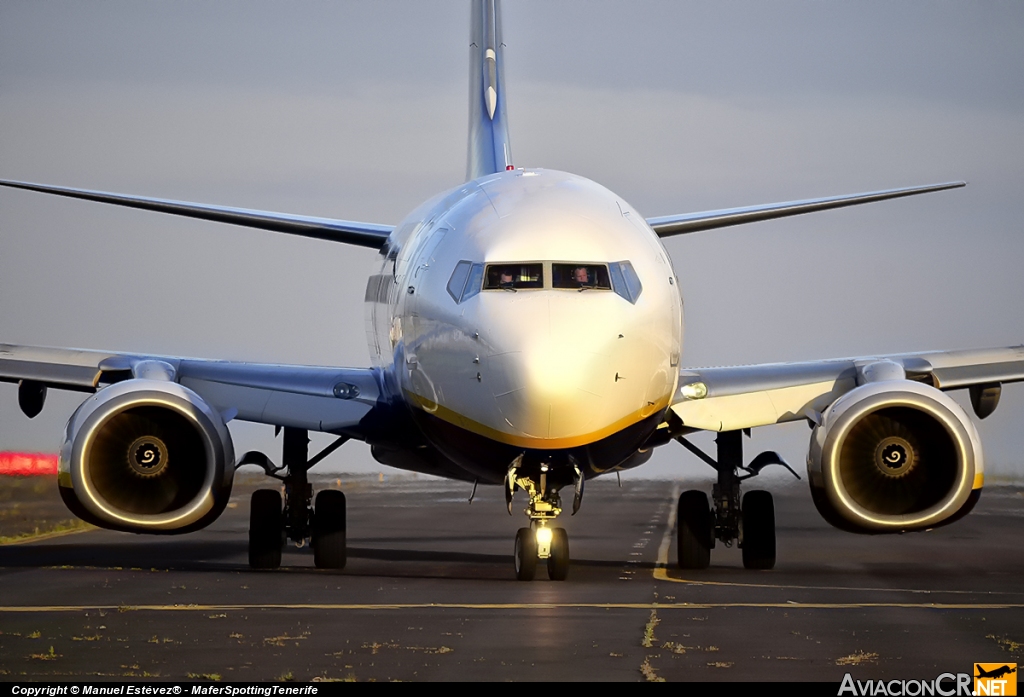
[
  {"x": 542, "y": 540},
  {"x": 271, "y": 525},
  {"x": 750, "y": 521}
]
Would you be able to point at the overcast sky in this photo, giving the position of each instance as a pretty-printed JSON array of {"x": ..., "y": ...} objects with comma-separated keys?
[{"x": 358, "y": 111}]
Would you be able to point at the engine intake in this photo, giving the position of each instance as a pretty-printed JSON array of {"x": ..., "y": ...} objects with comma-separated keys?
[
  {"x": 894, "y": 456},
  {"x": 146, "y": 456}
]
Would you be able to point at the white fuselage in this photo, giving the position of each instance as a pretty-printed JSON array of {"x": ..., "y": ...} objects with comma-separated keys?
[{"x": 540, "y": 368}]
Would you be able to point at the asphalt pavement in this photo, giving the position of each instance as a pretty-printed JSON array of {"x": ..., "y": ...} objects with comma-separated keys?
[{"x": 429, "y": 594}]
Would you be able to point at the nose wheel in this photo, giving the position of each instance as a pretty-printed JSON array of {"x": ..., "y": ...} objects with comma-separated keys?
[
  {"x": 558, "y": 562},
  {"x": 526, "y": 554},
  {"x": 541, "y": 541},
  {"x": 530, "y": 543}
]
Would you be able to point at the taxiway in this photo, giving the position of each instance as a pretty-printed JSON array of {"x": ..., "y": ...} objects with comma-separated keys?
[{"x": 429, "y": 593}]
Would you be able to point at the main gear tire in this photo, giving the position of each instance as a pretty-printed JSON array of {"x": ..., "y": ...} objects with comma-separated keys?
[
  {"x": 694, "y": 530},
  {"x": 266, "y": 529},
  {"x": 758, "y": 520},
  {"x": 329, "y": 533}
]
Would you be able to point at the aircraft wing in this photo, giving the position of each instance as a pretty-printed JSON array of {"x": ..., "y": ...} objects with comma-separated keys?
[
  {"x": 310, "y": 397},
  {"x": 347, "y": 231},
  {"x": 733, "y": 398},
  {"x": 666, "y": 226}
]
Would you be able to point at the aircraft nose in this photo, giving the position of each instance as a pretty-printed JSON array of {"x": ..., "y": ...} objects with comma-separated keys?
[{"x": 553, "y": 383}]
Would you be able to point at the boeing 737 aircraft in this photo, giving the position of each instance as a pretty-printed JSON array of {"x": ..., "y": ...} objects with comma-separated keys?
[{"x": 525, "y": 330}]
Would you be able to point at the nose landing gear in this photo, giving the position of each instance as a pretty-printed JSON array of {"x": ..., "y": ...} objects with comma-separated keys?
[{"x": 542, "y": 540}]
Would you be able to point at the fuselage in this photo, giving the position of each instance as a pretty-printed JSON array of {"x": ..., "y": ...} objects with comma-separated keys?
[{"x": 528, "y": 312}]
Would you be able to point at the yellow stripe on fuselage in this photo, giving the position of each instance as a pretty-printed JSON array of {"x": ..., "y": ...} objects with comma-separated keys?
[{"x": 456, "y": 419}]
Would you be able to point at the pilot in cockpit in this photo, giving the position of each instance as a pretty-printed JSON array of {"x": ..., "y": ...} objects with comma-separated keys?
[{"x": 581, "y": 276}]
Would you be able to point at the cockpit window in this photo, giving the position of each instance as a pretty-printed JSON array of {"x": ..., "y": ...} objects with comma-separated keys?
[
  {"x": 580, "y": 276},
  {"x": 468, "y": 279},
  {"x": 625, "y": 281},
  {"x": 514, "y": 276},
  {"x": 465, "y": 281},
  {"x": 457, "y": 282}
]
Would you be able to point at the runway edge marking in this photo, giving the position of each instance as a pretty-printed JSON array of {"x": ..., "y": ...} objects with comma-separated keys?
[{"x": 661, "y": 566}]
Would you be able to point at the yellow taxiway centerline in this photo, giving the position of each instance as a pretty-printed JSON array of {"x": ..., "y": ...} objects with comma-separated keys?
[
  {"x": 47, "y": 535},
  {"x": 13, "y": 609}
]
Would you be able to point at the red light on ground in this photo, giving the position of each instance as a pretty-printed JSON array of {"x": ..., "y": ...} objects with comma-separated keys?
[
  {"x": 28, "y": 464},
  {"x": 509, "y": 168}
]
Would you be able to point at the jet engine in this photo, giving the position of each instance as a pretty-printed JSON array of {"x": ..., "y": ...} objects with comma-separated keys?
[
  {"x": 146, "y": 456},
  {"x": 894, "y": 456}
]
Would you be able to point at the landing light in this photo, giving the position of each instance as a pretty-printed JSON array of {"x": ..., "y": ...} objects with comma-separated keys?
[
  {"x": 694, "y": 390},
  {"x": 543, "y": 537}
]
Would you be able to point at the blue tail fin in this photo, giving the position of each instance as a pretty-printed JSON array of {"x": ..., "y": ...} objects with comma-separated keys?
[{"x": 489, "y": 149}]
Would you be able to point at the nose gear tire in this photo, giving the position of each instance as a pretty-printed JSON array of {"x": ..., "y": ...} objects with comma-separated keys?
[
  {"x": 328, "y": 534},
  {"x": 266, "y": 529},
  {"x": 694, "y": 531},
  {"x": 758, "y": 515},
  {"x": 558, "y": 562},
  {"x": 526, "y": 554}
]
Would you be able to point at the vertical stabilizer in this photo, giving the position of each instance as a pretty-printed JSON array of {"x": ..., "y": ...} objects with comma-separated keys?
[{"x": 489, "y": 149}]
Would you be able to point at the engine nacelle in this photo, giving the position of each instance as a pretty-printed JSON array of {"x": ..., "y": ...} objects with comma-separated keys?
[
  {"x": 893, "y": 456},
  {"x": 146, "y": 456}
]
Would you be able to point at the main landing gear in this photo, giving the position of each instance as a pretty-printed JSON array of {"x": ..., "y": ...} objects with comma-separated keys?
[
  {"x": 542, "y": 541},
  {"x": 750, "y": 521},
  {"x": 271, "y": 524}
]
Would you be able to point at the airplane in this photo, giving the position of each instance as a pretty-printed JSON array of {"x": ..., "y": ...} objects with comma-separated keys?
[
  {"x": 525, "y": 331},
  {"x": 996, "y": 672}
]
